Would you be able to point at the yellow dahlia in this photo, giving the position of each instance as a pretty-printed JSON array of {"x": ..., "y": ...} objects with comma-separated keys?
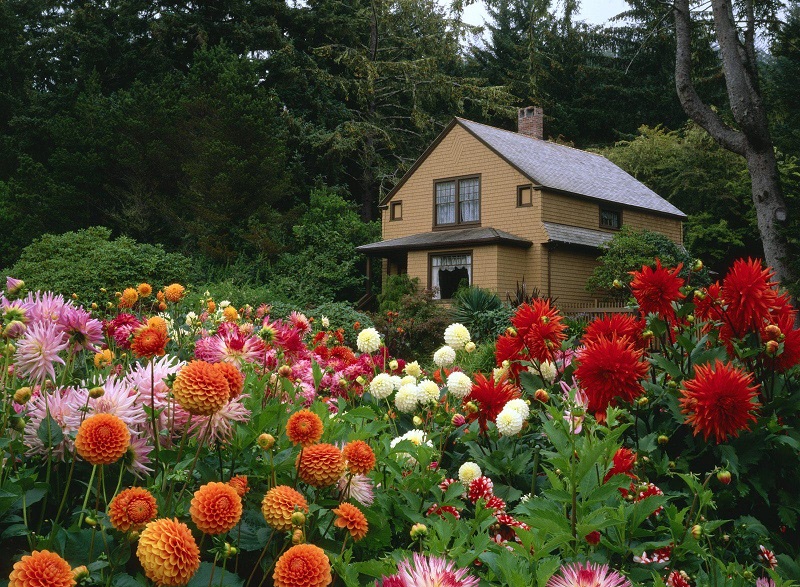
[
  {"x": 216, "y": 508},
  {"x": 279, "y": 504},
  {"x": 103, "y": 359},
  {"x": 168, "y": 552},
  {"x": 201, "y": 389},
  {"x": 320, "y": 465},
  {"x": 352, "y": 519},
  {"x": 303, "y": 565},
  {"x": 41, "y": 568},
  {"x": 174, "y": 293},
  {"x": 304, "y": 428},
  {"x": 132, "y": 508},
  {"x": 128, "y": 298},
  {"x": 102, "y": 439},
  {"x": 144, "y": 290}
]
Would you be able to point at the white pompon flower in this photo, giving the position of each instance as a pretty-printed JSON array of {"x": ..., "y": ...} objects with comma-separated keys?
[
  {"x": 444, "y": 356},
  {"x": 408, "y": 380},
  {"x": 413, "y": 369},
  {"x": 406, "y": 398},
  {"x": 520, "y": 406},
  {"x": 325, "y": 321},
  {"x": 548, "y": 370},
  {"x": 381, "y": 386},
  {"x": 509, "y": 422},
  {"x": 428, "y": 392},
  {"x": 459, "y": 384},
  {"x": 468, "y": 472},
  {"x": 368, "y": 341},
  {"x": 457, "y": 336},
  {"x": 396, "y": 381}
]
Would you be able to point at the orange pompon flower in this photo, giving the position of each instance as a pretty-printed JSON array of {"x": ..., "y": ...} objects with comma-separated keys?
[
  {"x": 304, "y": 428},
  {"x": 160, "y": 296},
  {"x": 610, "y": 368},
  {"x": 174, "y": 293},
  {"x": 352, "y": 519},
  {"x": 211, "y": 305},
  {"x": 233, "y": 376},
  {"x": 303, "y": 565},
  {"x": 149, "y": 342},
  {"x": 102, "y": 439},
  {"x": 103, "y": 359},
  {"x": 239, "y": 483},
  {"x": 320, "y": 465},
  {"x": 129, "y": 297},
  {"x": 144, "y": 290},
  {"x": 360, "y": 458},
  {"x": 216, "y": 508},
  {"x": 201, "y": 389},
  {"x": 719, "y": 401},
  {"x": 279, "y": 504},
  {"x": 656, "y": 289},
  {"x": 158, "y": 323},
  {"x": 230, "y": 314},
  {"x": 41, "y": 568},
  {"x": 132, "y": 508},
  {"x": 168, "y": 552}
]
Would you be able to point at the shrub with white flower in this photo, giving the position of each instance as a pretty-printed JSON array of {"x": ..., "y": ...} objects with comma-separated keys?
[
  {"x": 381, "y": 386},
  {"x": 468, "y": 472},
  {"x": 413, "y": 369},
  {"x": 368, "y": 340},
  {"x": 457, "y": 336},
  {"x": 459, "y": 384},
  {"x": 407, "y": 398},
  {"x": 428, "y": 392},
  {"x": 509, "y": 422},
  {"x": 445, "y": 356},
  {"x": 520, "y": 406}
]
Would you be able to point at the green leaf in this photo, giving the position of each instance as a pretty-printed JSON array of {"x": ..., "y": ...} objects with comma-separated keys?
[
  {"x": 50, "y": 432},
  {"x": 221, "y": 577},
  {"x": 125, "y": 580}
]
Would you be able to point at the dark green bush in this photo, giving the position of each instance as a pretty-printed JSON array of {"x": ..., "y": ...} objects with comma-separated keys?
[
  {"x": 85, "y": 261},
  {"x": 482, "y": 312}
]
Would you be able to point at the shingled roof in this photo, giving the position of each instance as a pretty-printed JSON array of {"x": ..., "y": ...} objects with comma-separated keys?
[
  {"x": 558, "y": 167},
  {"x": 575, "y": 235},
  {"x": 446, "y": 238}
]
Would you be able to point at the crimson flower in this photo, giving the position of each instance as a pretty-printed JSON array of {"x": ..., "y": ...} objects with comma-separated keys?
[
  {"x": 656, "y": 289},
  {"x": 749, "y": 295},
  {"x": 619, "y": 324},
  {"x": 491, "y": 397}
]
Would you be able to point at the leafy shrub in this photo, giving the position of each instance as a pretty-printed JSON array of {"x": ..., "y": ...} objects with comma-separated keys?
[
  {"x": 481, "y": 311},
  {"x": 395, "y": 287},
  {"x": 85, "y": 261},
  {"x": 342, "y": 315},
  {"x": 628, "y": 251}
]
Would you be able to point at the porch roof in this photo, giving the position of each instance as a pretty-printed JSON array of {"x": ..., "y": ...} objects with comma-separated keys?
[
  {"x": 575, "y": 235},
  {"x": 445, "y": 239}
]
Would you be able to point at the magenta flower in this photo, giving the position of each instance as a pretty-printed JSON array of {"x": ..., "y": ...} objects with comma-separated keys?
[
  {"x": 428, "y": 571},
  {"x": 37, "y": 351},
  {"x": 587, "y": 575},
  {"x": 83, "y": 331}
]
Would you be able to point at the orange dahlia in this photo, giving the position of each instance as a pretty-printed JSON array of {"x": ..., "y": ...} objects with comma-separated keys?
[
  {"x": 149, "y": 342},
  {"x": 201, "y": 389},
  {"x": 144, "y": 290},
  {"x": 304, "y": 428},
  {"x": 102, "y": 439},
  {"x": 279, "y": 504},
  {"x": 360, "y": 458},
  {"x": 174, "y": 293},
  {"x": 719, "y": 401},
  {"x": 239, "y": 483},
  {"x": 230, "y": 314},
  {"x": 351, "y": 518},
  {"x": 132, "y": 508},
  {"x": 157, "y": 322},
  {"x": 128, "y": 298},
  {"x": 303, "y": 565},
  {"x": 320, "y": 465},
  {"x": 216, "y": 508},
  {"x": 233, "y": 376},
  {"x": 103, "y": 359},
  {"x": 41, "y": 568},
  {"x": 168, "y": 552}
]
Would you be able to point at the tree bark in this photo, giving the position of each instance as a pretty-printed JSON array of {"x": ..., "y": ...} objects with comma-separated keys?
[{"x": 752, "y": 140}]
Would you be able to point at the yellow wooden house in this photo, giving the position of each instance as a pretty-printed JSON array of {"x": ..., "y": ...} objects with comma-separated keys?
[{"x": 492, "y": 208}]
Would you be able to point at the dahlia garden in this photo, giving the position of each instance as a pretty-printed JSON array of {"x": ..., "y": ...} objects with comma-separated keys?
[{"x": 154, "y": 440}]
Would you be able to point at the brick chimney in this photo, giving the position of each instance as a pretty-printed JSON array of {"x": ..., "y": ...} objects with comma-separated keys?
[{"x": 530, "y": 122}]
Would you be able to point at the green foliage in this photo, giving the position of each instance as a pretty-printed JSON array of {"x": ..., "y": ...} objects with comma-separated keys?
[
  {"x": 82, "y": 262},
  {"x": 628, "y": 251},
  {"x": 394, "y": 288},
  {"x": 325, "y": 265},
  {"x": 482, "y": 312}
]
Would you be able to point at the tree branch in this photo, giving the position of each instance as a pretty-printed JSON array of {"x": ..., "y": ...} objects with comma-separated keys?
[{"x": 701, "y": 113}]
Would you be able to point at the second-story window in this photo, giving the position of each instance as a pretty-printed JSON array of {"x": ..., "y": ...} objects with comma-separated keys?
[
  {"x": 610, "y": 218},
  {"x": 458, "y": 201}
]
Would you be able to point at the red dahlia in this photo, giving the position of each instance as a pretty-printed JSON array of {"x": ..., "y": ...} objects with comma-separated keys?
[
  {"x": 491, "y": 397},
  {"x": 540, "y": 327},
  {"x": 719, "y": 401},
  {"x": 619, "y": 324},
  {"x": 656, "y": 289},
  {"x": 749, "y": 295}
]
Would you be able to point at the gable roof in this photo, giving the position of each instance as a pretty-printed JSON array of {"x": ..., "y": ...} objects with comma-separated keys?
[
  {"x": 447, "y": 238},
  {"x": 559, "y": 168}
]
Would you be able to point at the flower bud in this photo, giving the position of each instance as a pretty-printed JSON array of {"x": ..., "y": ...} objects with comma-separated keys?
[
  {"x": 22, "y": 395},
  {"x": 15, "y": 329},
  {"x": 724, "y": 477},
  {"x": 469, "y": 347},
  {"x": 697, "y": 531},
  {"x": 417, "y": 421},
  {"x": 643, "y": 401},
  {"x": 542, "y": 395},
  {"x": 94, "y": 305},
  {"x": 17, "y": 423},
  {"x": 748, "y": 575},
  {"x": 266, "y": 441},
  {"x": 672, "y": 385},
  {"x": 773, "y": 332},
  {"x": 593, "y": 538},
  {"x": 690, "y": 318},
  {"x": 418, "y": 531},
  {"x": 663, "y": 439},
  {"x": 96, "y": 392},
  {"x": 472, "y": 407},
  {"x": 772, "y": 347},
  {"x": 298, "y": 537},
  {"x": 360, "y": 380},
  {"x": 393, "y": 364},
  {"x": 698, "y": 266},
  {"x": 80, "y": 573},
  {"x": 617, "y": 284},
  {"x": 90, "y": 521},
  {"x": 700, "y": 295},
  {"x": 230, "y": 550},
  {"x": 298, "y": 519},
  {"x": 14, "y": 286},
  {"x": 647, "y": 334},
  {"x": 285, "y": 371},
  {"x": 511, "y": 331},
  {"x": 458, "y": 420}
]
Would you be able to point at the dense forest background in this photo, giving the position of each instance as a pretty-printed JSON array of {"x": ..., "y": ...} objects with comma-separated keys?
[{"x": 257, "y": 136}]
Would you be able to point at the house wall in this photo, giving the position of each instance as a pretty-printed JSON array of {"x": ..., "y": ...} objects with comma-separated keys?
[
  {"x": 586, "y": 214},
  {"x": 569, "y": 269}
]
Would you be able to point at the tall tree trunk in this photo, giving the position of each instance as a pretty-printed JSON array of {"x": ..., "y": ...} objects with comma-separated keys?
[{"x": 752, "y": 139}]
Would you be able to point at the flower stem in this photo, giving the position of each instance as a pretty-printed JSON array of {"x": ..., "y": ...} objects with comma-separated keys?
[{"x": 86, "y": 497}]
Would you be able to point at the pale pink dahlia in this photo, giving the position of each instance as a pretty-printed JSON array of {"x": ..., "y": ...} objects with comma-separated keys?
[
  {"x": 45, "y": 306},
  {"x": 587, "y": 575},
  {"x": 37, "y": 351},
  {"x": 121, "y": 399},
  {"x": 82, "y": 331},
  {"x": 62, "y": 405},
  {"x": 221, "y": 427},
  {"x": 429, "y": 571},
  {"x": 356, "y": 487}
]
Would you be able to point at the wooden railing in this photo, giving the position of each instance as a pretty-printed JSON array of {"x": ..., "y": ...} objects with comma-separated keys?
[{"x": 594, "y": 308}]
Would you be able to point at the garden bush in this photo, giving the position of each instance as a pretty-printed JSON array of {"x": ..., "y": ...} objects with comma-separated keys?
[
  {"x": 88, "y": 260},
  {"x": 482, "y": 312}
]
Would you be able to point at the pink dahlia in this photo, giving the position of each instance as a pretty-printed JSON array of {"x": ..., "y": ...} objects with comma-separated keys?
[
  {"x": 356, "y": 487},
  {"x": 120, "y": 399},
  {"x": 221, "y": 427},
  {"x": 121, "y": 328},
  {"x": 231, "y": 345},
  {"x": 37, "y": 351},
  {"x": 82, "y": 331},
  {"x": 45, "y": 306},
  {"x": 62, "y": 405},
  {"x": 587, "y": 575},
  {"x": 428, "y": 571}
]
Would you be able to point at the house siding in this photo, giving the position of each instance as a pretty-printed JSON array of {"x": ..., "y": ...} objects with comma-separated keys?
[{"x": 569, "y": 270}]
